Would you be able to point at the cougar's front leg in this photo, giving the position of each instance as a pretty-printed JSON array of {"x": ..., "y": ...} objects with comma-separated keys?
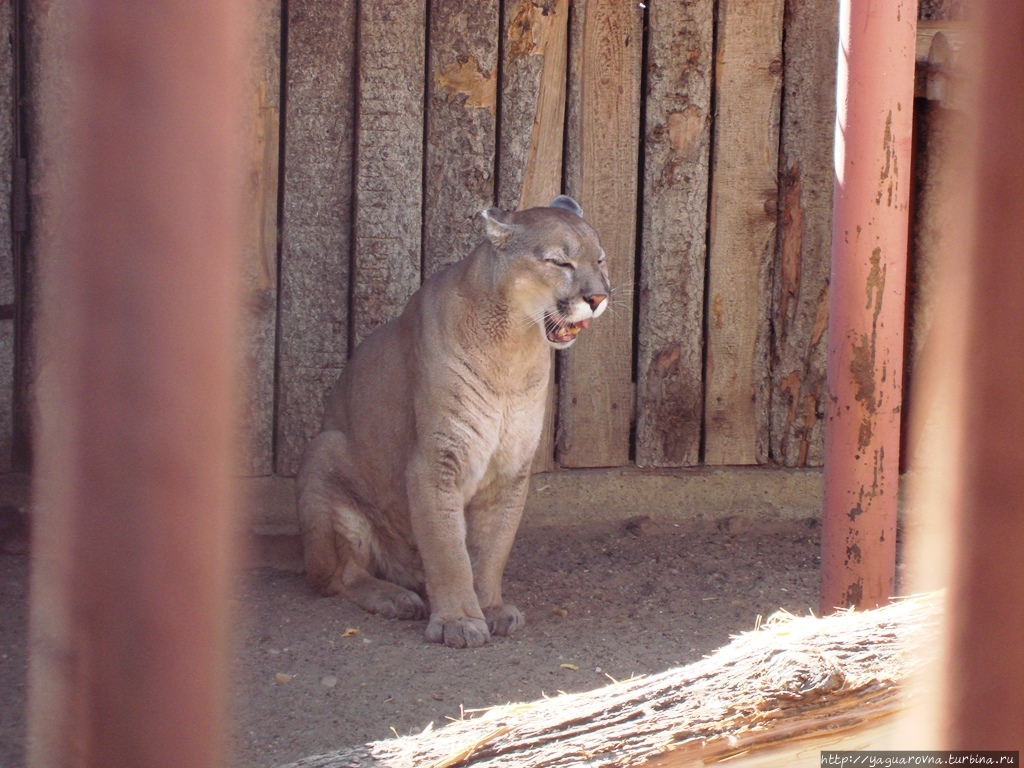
[
  {"x": 436, "y": 509},
  {"x": 493, "y": 519}
]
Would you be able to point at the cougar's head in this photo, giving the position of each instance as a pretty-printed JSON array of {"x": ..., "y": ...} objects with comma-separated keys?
[{"x": 555, "y": 271}]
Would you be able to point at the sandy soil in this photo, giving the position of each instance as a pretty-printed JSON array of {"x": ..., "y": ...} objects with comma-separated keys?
[{"x": 604, "y": 601}]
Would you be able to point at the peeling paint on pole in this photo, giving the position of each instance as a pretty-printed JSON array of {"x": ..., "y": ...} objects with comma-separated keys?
[{"x": 866, "y": 302}]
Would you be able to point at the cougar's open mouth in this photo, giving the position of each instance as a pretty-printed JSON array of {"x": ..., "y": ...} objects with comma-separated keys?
[{"x": 560, "y": 331}]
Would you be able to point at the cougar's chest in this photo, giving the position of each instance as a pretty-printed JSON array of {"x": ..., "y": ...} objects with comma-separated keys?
[
  {"x": 521, "y": 429},
  {"x": 512, "y": 427}
]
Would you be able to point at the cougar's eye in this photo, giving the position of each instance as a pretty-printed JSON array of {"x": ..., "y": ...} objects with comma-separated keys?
[{"x": 558, "y": 259}]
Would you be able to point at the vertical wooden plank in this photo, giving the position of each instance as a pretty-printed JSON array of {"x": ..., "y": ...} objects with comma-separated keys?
[
  {"x": 596, "y": 388},
  {"x": 46, "y": 36},
  {"x": 936, "y": 214},
  {"x": 533, "y": 103},
  {"x": 389, "y": 162},
  {"x": 940, "y": 10},
  {"x": 532, "y": 131},
  {"x": 21, "y": 448},
  {"x": 744, "y": 204},
  {"x": 462, "y": 90},
  {"x": 7, "y": 349},
  {"x": 316, "y": 234},
  {"x": 7, "y": 292},
  {"x": 46, "y": 32},
  {"x": 670, "y": 343},
  {"x": 259, "y": 252},
  {"x": 806, "y": 176},
  {"x": 573, "y": 98}
]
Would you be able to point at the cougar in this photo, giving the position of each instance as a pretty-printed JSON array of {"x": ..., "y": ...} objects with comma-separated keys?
[{"x": 410, "y": 496}]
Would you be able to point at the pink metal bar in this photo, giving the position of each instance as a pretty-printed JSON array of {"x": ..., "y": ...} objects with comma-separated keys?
[
  {"x": 136, "y": 395},
  {"x": 984, "y": 660},
  {"x": 866, "y": 302}
]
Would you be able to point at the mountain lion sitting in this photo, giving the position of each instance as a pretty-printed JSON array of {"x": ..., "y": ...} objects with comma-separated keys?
[{"x": 419, "y": 476}]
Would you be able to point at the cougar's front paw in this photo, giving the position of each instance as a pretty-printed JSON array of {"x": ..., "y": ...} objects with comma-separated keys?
[
  {"x": 458, "y": 633},
  {"x": 503, "y": 620}
]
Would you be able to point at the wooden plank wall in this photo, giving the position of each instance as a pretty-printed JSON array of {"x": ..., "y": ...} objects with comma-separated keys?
[
  {"x": 461, "y": 135},
  {"x": 319, "y": 133},
  {"x": 670, "y": 374},
  {"x": 801, "y": 271},
  {"x": 7, "y": 293},
  {"x": 696, "y": 143},
  {"x": 595, "y": 383},
  {"x": 744, "y": 204},
  {"x": 388, "y": 220},
  {"x": 259, "y": 243},
  {"x": 45, "y": 34}
]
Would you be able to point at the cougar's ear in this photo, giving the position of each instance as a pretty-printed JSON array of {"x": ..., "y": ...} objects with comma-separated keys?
[
  {"x": 499, "y": 226},
  {"x": 566, "y": 203}
]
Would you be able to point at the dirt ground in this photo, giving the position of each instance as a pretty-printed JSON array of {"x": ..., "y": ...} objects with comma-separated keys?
[{"x": 604, "y": 601}]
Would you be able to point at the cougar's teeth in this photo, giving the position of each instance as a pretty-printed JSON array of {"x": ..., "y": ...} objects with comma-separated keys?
[{"x": 560, "y": 332}]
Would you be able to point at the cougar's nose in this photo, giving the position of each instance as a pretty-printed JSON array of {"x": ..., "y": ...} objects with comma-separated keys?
[{"x": 594, "y": 300}]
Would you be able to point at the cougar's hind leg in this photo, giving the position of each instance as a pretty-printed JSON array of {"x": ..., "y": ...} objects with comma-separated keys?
[
  {"x": 382, "y": 597},
  {"x": 315, "y": 506},
  {"x": 337, "y": 537}
]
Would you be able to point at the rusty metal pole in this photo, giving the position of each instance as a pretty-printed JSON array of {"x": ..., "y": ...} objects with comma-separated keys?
[
  {"x": 984, "y": 653},
  {"x": 135, "y": 449},
  {"x": 875, "y": 92}
]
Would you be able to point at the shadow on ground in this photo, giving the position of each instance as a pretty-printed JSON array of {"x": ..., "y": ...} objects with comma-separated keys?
[{"x": 602, "y": 601}]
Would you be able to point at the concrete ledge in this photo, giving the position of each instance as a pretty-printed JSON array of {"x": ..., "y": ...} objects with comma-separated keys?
[
  {"x": 270, "y": 501},
  {"x": 577, "y": 495},
  {"x": 581, "y": 495},
  {"x": 556, "y": 498}
]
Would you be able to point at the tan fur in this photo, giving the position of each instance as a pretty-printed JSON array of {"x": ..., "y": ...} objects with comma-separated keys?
[{"x": 416, "y": 484}]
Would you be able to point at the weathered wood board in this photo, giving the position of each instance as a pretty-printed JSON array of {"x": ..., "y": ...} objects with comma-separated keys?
[
  {"x": 533, "y": 131},
  {"x": 670, "y": 340},
  {"x": 942, "y": 10},
  {"x": 806, "y": 178},
  {"x": 6, "y": 394},
  {"x": 386, "y": 263},
  {"x": 316, "y": 242},
  {"x": 744, "y": 205},
  {"x": 7, "y": 271},
  {"x": 46, "y": 99},
  {"x": 533, "y": 102},
  {"x": 933, "y": 228},
  {"x": 461, "y": 140},
  {"x": 46, "y": 111},
  {"x": 259, "y": 245},
  {"x": 596, "y": 387}
]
